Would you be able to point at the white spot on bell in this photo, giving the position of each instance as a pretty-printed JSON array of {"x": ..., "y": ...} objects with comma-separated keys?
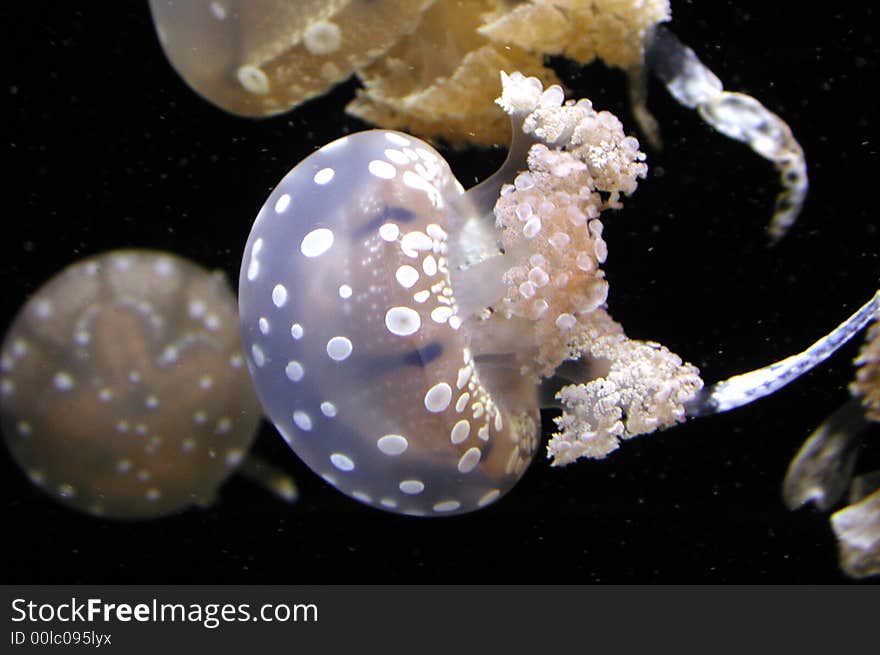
[
  {"x": 339, "y": 348},
  {"x": 279, "y": 295},
  {"x": 397, "y": 139},
  {"x": 254, "y": 80},
  {"x": 447, "y": 506},
  {"x": 258, "y": 355},
  {"x": 429, "y": 265},
  {"x": 389, "y": 232},
  {"x": 438, "y": 397},
  {"x": 402, "y": 321},
  {"x": 342, "y": 462},
  {"x": 441, "y": 314},
  {"x": 324, "y": 176},
  {"x": 303, "y": 421},
  {"x": 415, "y": 241},
  {"x": 460, "y": 431},
  {"x": 392, "y": 444},
  {"x": 469, "y": 460},
  {"x": 316, "y": 242},
  {"x": 406, "y": 276},
  {"x": 412, "y": 487},
  {"x": 294, "y": 371},
  {"x": 322, "y": 38},
  {"x": 382, "y": 169},
  {"x": 282, "y": 203}
]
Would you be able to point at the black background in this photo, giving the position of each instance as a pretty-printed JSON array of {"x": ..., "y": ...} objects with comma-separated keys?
[{"x": 105, "y": 147}]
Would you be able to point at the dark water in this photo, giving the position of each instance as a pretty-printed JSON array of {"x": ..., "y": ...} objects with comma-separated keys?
[{"x": 106, "y": 148}]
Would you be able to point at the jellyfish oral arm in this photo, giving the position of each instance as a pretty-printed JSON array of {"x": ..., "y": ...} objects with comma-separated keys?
[
  {"x": 746, "y": 388},
  {"x": 736, "y": 115}
]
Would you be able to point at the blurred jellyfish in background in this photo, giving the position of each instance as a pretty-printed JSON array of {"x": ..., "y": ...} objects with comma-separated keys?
[
  {"x": 822, "y": 472},
  {"x": 124, "y": 392},
  {"x": 429, "y": 68}
]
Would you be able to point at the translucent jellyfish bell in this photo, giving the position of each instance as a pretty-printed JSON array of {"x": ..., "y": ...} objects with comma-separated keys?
[
  {"x": 262, "y": 57},
  {"x": 123, "y": 388},
  {"x": 353, "y": 336}
]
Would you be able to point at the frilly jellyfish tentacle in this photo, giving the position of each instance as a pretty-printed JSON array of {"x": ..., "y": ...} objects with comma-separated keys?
[{"x": 735, "y": 115}]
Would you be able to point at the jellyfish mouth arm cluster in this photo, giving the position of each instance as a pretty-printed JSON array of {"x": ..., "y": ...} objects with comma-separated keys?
[
  {"x": 746, "y": 388},
  {"x": 736, "y": 115},
  {"x": 580, "y": 164}
]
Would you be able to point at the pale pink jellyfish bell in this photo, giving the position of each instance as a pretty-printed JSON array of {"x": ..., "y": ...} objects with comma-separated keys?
[
  {"x": 355, "y": 337},
  {"x": 124, "y": 392}
]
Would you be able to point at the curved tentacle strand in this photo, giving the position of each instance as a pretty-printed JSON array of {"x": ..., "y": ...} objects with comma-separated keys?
[{"x": 736, "y": 115}]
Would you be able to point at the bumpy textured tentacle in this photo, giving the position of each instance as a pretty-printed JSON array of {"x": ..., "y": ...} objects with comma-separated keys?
[{"x": 736, "y": 115}]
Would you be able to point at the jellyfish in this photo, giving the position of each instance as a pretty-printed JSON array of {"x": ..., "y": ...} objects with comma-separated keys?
[
  {"x": 124, "y": 391},
  {"x": 823, "y": 471},
  {"x": 402, "y": 332},
  {"x": 429, "y": 68},
  {"x": 262, "y": 57}
]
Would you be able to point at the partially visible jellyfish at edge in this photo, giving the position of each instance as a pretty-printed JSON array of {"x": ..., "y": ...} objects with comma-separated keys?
[
  {"x": 428, "y": 68},
  {"x": 824, "y": 471},
  {"x": 262, "y": 57},
  {"x": 124, "y": 390},
  {"x": 404, "y": 349}
]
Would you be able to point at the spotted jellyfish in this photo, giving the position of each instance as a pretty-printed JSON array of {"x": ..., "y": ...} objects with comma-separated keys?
[
  {"x": 823, "y": 471},
  {"x": 262, "y": 57},
  {"x": 124, "y": 391},
  {"x": 398, "y": 328},
  {"x": 429, "y": 68}
]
